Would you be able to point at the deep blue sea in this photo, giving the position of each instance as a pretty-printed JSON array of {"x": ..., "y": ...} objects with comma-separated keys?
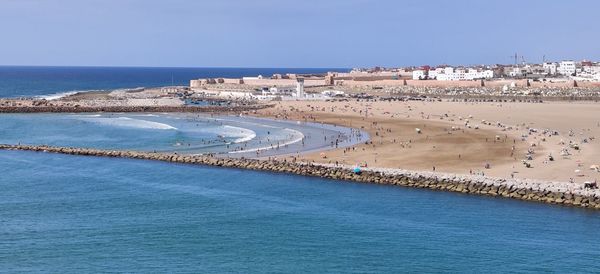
[
  {"x": 75, "y": 214},
  {"x": 62, "y": 213},
  {"x": 20, "y": 81}
]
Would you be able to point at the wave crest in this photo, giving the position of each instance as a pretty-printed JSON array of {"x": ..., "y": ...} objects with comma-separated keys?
[{"x": 129, "y": 122}]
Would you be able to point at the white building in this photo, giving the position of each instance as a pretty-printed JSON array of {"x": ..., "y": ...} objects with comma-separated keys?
[
  {"x": 419, "y": 74},
  {"x": 461, "y": 74},
  {"x": 473, "y": 74},
  {"x": 550, "y": 68},
  {"x": 589, "y": 73},
  {"x": 450, "y": 75},
  {"x": 567, "y": 68},
  {"x": 300, "y": 88},
  {"x": 433, "y": 73},
  {"x": 593, "y": 69}
]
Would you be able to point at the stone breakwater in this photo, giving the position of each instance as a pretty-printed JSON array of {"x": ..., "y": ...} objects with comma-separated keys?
[
  {"x": 530, "y": 190},
  {"x": 79, "y": 109}
]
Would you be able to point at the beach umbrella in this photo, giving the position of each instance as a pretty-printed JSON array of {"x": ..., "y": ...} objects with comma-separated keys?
[
  {"x": 594, "y": 167},
  {"x": 356, "y": 170}
]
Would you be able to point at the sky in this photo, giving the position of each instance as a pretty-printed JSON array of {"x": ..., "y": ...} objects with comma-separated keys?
[{"x": 302, "y": 33}]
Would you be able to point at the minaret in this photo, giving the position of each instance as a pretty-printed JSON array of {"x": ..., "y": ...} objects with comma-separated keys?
[{"x": 300, "y": 88}]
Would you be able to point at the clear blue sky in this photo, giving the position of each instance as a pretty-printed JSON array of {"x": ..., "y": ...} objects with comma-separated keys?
[{"x": 302, "y": 33}]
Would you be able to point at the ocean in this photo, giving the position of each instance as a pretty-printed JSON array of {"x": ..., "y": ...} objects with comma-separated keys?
[
  {"x": 21, "y": 81},
  {"x": 74, "y": 214},
  {"x": 231, "y": 136}
]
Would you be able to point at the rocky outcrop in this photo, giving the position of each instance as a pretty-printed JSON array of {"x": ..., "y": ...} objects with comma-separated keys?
[{"x": 529, "y": 190}]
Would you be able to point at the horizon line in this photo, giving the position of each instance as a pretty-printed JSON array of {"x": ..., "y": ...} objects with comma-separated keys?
[{"x": 134, "y": 66}]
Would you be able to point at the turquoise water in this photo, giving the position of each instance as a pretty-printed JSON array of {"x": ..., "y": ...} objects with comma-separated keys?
[
  {"x": 61, "y": 213},
  {"x": 161, "y": 132}
]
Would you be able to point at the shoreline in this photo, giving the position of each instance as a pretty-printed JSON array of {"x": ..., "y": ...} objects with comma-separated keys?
[
  {"x": 499, "y": 139},
  {"x": 80, "y": 109},
  {"x": 575, "y": 195},
  {"x": 217, "y": 134}
]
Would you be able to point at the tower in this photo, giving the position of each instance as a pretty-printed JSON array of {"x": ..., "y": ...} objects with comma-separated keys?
[{"x": 300, "y": 87}]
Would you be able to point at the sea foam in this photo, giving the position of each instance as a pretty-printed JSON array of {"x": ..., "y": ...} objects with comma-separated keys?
[
  {"x": 243, "y": 134},
  {"x": 129, "y": 122},
  {"x": 296, "y": 136},
  {"x": 58, "y": 95}
]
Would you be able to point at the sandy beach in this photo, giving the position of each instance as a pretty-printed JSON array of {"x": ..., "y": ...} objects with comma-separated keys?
[
  {"x": 553, "y": 140},
  {"x": 466, "y": 138}
]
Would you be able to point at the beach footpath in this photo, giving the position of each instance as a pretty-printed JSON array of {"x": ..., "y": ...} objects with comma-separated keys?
[{"x": 562, "y": 193}]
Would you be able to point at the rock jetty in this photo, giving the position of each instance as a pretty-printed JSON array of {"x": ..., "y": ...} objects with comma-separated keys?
[{"x": 570, "y": 194}]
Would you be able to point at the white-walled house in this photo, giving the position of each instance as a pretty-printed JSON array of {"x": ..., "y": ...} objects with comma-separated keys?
[
  {"x": 461, "y": 74},
  {"x": 550, "y": 67},
  {"x": 589, "y": 72},
  {"x": 419, "y": 74},
  {"x": 433, "y": 73},
  {"x": 567, "y": 68}
]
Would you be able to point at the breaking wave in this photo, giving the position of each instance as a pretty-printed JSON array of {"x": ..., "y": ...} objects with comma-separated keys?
[
  {"x": 243, "y": 134},
  {"x": 58, "y": 95},
  {"x": 129, "y": 122},
  {"x": 297, "y": 137}
]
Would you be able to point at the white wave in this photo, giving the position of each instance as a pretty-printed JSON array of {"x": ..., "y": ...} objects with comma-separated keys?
[
  {"x": 58, "y": 95},
  {"x": 129, "y": 122},
  {"x": 298, "y": 134},
  {"x": 84, "y": 115},
  {"x": 226, "y": 131},
  {"x": 128, "y": 89},
  {"x": 244, "y": 134}
]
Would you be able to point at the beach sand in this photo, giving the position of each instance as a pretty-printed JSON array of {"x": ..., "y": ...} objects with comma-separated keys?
[{"x": 395, "y": 142}]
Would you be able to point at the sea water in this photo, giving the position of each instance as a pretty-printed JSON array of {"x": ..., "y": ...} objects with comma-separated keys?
[
  {"x": 50, "y": 82},
  {"x": 187, "y": 133},
  {"x": 73, "y": 214}
]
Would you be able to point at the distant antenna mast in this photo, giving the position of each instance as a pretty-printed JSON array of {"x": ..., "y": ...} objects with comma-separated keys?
[{"x": 515, "y": 57}]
